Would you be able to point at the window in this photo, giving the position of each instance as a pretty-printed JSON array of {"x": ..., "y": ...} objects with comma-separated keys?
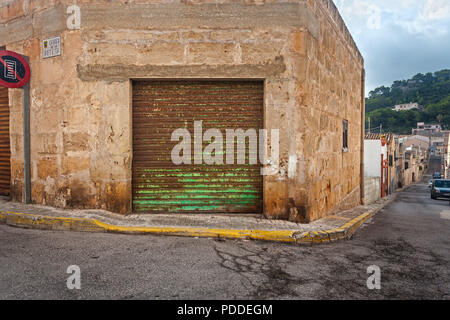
[{"x": 344, "y": 136}]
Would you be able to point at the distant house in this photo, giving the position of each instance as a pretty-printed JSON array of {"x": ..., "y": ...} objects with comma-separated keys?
[
  {"x": 426, "y": 129},
  {"x": 439, "y": 147},
  {"x": 417, "y": 140},
  {"x": 406, "y": 106},
  {"x": 413, "y": 166},
  {"x": 392, "y": 162},
  {"x": 412, "y": 154},
  {"x": 379, "y": 166}
]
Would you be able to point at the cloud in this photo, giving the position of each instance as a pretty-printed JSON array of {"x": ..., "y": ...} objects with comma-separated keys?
[
  {"x": 435, "y": 10},
  {"x": 415, "y": 16},
  {"x": 399, "y": 38},
  {"x": 401, "y": 55}
]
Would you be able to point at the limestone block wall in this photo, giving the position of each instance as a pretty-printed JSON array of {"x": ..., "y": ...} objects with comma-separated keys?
[
  {"x": 81, "y": 101},
  {"x": 332, "y": 92}
]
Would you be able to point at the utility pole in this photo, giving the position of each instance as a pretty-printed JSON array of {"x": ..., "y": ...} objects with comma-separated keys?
[
  {"x": 369, "y": 124},
  {"x": 429, "y": 139},
  {"x": 381, "y": 128}
]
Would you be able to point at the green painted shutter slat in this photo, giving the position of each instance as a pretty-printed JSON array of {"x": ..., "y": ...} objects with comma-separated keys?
[{"x": 160, "y": 107}]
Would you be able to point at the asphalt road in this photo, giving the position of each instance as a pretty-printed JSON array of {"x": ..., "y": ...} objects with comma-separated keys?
[{"x": 409, "y": 240}]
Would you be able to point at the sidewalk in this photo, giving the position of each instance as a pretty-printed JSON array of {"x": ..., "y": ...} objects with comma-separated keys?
[{"x": 329, "y": 229}]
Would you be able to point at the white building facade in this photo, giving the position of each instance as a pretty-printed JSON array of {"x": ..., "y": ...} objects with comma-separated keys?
[{"x": 406, "y": 106}]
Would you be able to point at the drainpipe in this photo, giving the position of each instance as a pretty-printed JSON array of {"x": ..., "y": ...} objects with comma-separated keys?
[
  {"x": 363, "y": 133},
  {"x": 26, "y": 137},
  {"x": 382, "y": 176},
  {"x": 26, "y": 140}
]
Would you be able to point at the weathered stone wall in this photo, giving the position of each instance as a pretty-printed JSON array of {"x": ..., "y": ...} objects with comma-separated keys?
[
  {"x": 413, "y": 171},
  {"x": 330, "y": 92},
  {"x": 81, "y": 101}
]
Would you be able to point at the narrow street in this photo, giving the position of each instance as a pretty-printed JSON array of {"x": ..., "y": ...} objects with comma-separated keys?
[{"x": 409, "y": 240}]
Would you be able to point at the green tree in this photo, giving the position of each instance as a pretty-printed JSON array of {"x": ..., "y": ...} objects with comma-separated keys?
[{"x": 430, "y": 90}]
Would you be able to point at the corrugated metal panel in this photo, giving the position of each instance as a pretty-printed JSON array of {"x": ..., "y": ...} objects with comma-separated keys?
[
  {"x": 5, "y": 154},
  {"x": 159, "y": 108},
  {"x": 377, "y": 136}
]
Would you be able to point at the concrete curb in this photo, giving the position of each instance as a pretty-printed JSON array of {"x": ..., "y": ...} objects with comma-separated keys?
[
  {"x": 35, "y": 221},
  {"x": 344, "y": 232}
]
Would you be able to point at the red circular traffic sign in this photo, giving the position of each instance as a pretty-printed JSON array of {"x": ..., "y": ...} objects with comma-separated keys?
[{"x": 14, "y": 70}]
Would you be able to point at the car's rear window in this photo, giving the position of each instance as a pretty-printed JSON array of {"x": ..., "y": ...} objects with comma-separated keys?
[{"x": 442, "y": 184}]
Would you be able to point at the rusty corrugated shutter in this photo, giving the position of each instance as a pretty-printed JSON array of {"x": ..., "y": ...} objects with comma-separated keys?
[
  {"x": 5, "y": 154},
  {"x": 159, "y": 108}
]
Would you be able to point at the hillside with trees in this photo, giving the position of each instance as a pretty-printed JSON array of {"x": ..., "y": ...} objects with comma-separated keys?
[{"x": 431, "y": 90}]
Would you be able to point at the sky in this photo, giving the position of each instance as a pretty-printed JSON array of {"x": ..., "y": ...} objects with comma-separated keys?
[{"x": 399, "y": 38}]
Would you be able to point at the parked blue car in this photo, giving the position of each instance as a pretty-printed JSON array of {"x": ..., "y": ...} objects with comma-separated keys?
[{"x": 440, "y": 189}]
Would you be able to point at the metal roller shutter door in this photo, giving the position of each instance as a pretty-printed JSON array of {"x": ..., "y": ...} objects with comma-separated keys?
[
  {"x": 5, "y": 154},
  {"x": 159, "y": 108}
]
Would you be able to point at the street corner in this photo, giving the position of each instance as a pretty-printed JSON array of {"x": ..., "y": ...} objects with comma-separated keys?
[{"x": 58, "y": 223}]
